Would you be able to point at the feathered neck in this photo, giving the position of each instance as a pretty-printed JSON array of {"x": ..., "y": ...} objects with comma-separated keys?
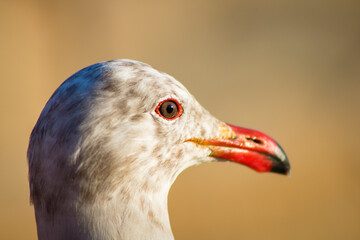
[{"x": 126, "y": 215}]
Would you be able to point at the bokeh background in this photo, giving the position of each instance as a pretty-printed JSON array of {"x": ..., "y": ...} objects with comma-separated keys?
[{"x": 288, "y": 68}]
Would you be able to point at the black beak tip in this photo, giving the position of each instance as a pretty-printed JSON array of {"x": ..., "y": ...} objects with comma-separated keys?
[
  {"x": 280, "y": 162},
  {"x": 280, "y": 166}
]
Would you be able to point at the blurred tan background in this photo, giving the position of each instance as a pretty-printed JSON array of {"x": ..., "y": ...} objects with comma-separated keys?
[{"x": 288, "y": 68}]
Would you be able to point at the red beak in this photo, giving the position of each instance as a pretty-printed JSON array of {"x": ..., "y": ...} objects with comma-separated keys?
[{"x": 249, "y": 147}]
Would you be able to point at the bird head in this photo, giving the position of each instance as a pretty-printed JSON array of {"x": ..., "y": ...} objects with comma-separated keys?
[{"x": 122, "y": 126}]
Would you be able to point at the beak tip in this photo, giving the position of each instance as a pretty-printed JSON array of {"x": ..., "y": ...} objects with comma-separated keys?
[
  {"x": 280, "y": 162},
  {"x": 282, "y": 167}
]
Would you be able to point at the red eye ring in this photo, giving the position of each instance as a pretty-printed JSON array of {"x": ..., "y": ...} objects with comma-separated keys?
[{"x": 169, "y": 109}]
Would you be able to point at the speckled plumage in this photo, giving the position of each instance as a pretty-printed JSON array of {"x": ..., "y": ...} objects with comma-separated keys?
[
  {"x": 102, "y": 156},
  {"x": 101, "y": 161}
]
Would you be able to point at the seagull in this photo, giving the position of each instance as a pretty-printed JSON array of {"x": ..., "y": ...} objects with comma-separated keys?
[{"x": 111, "y": 141}]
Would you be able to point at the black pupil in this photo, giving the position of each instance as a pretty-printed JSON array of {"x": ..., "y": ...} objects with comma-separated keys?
[{"x": 169, "y": 109}]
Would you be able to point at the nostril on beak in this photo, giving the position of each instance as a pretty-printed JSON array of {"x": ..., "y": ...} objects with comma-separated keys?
[{"x": 255, "y": 140}]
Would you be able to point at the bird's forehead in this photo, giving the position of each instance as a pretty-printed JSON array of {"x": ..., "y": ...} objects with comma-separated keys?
[
  {"x": 141, "y": 81},
  {"x": 125, "y": 77}
]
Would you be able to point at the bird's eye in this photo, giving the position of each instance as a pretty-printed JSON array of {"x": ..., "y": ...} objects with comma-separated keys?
[{"x": 169, "y": 109}]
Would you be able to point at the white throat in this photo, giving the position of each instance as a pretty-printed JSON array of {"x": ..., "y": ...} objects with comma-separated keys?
[{"x": 138, "y": 215}]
